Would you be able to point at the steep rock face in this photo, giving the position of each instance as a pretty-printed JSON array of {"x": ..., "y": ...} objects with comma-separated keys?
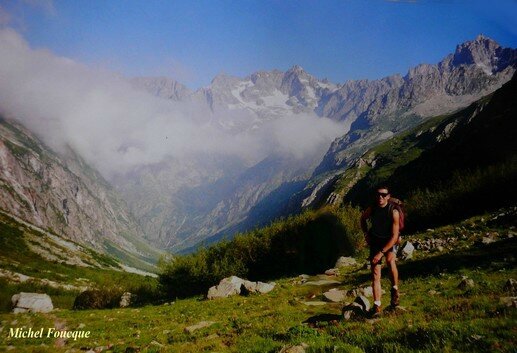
[
  {"x": 171, "y": 199},
  {"x": 476, "y": 69},
  {"x": 62, "y": 194}
]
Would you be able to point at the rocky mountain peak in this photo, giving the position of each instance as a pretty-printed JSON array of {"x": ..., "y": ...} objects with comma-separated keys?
[
  {"x": 482, "y": 51},
  {"x": 222, "y": 79},
  {"x": 163, "y": 87},
  {"x": 298, "y": 72}
]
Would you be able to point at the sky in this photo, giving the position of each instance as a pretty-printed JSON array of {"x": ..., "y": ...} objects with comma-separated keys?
[
  {"x": 63, "y": 66},
  {"x": 193, "y": 41}
]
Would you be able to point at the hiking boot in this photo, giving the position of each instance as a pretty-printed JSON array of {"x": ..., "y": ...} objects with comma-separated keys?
[
  {"x": 375, "y": 311},
  {"x": 395, "y": 297}
]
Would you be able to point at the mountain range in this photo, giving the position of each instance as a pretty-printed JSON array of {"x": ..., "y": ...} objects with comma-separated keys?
[
  {"x": 370, "y": 110},
  {"x": 178, "y": 204}
]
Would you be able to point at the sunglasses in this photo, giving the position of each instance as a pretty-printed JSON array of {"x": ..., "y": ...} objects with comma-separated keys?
[{"x": 383, "y": 194}]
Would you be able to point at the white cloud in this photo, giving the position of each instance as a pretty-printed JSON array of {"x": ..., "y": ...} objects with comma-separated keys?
[{"x": 117, "y": 128}]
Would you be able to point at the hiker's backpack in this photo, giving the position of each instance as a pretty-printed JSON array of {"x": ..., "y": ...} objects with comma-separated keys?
[{"x": 396, "y": 204}]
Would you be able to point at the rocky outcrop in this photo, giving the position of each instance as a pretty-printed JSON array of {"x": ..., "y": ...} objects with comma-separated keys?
[{"x": 61, "y": 193}]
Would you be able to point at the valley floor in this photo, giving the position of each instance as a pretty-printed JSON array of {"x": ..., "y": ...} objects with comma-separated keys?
[{"x": 437, "y": 314}]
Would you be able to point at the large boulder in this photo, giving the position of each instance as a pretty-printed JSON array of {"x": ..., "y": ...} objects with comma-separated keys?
[
  {"x": 226, "y": 287},
  {"x": 234, "y": 285},
  {"x": 31, "y": 302}
]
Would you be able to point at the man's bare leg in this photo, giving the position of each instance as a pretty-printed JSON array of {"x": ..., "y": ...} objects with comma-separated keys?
[
  {"x": 394, "y": 278},
  {"x": 376, "y": 282}
]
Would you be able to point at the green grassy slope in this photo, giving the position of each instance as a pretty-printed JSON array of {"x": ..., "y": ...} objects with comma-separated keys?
[
  {"x": 55, "y": 266},
  {"x": 438, "y": 315}
]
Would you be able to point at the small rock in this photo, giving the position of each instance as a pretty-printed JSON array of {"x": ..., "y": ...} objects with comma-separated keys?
[
  {"x": 335, "y": 295},
  {"x": 406, "y": 251},
  {"x": 332, "y": 272},
  {"x": 321, "y": 282},
  {"x": 433, "y": 292},
  {"x": 487, "y": 240},
  {"x": 198, "y": 326},
  {"x": 345, "y": 261},
  {"x": 510, "y": 302},
  {"x": 466, "y": 283},
  {"x": 126, "y": 299},
  {"x": 439, "y": 248},
  {"x": 157, "y": 344}
]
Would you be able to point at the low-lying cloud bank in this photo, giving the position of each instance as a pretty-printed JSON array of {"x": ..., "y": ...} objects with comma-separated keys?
[{"x": 116, "y": 127}]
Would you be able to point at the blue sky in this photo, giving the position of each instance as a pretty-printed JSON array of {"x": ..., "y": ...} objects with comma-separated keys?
[{"x": 193, "y": 41}]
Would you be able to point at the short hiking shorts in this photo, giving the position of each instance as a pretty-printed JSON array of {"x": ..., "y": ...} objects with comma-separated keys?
[{"x": 376, "y": 245}]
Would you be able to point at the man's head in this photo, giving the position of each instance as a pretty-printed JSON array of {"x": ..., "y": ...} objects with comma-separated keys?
[{"x": 382, "y": 195}]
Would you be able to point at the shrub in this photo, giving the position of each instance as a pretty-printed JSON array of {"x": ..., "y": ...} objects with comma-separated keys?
[
  {"x": 305, "y": 243},
  {"x": 98, "y": 299}
]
